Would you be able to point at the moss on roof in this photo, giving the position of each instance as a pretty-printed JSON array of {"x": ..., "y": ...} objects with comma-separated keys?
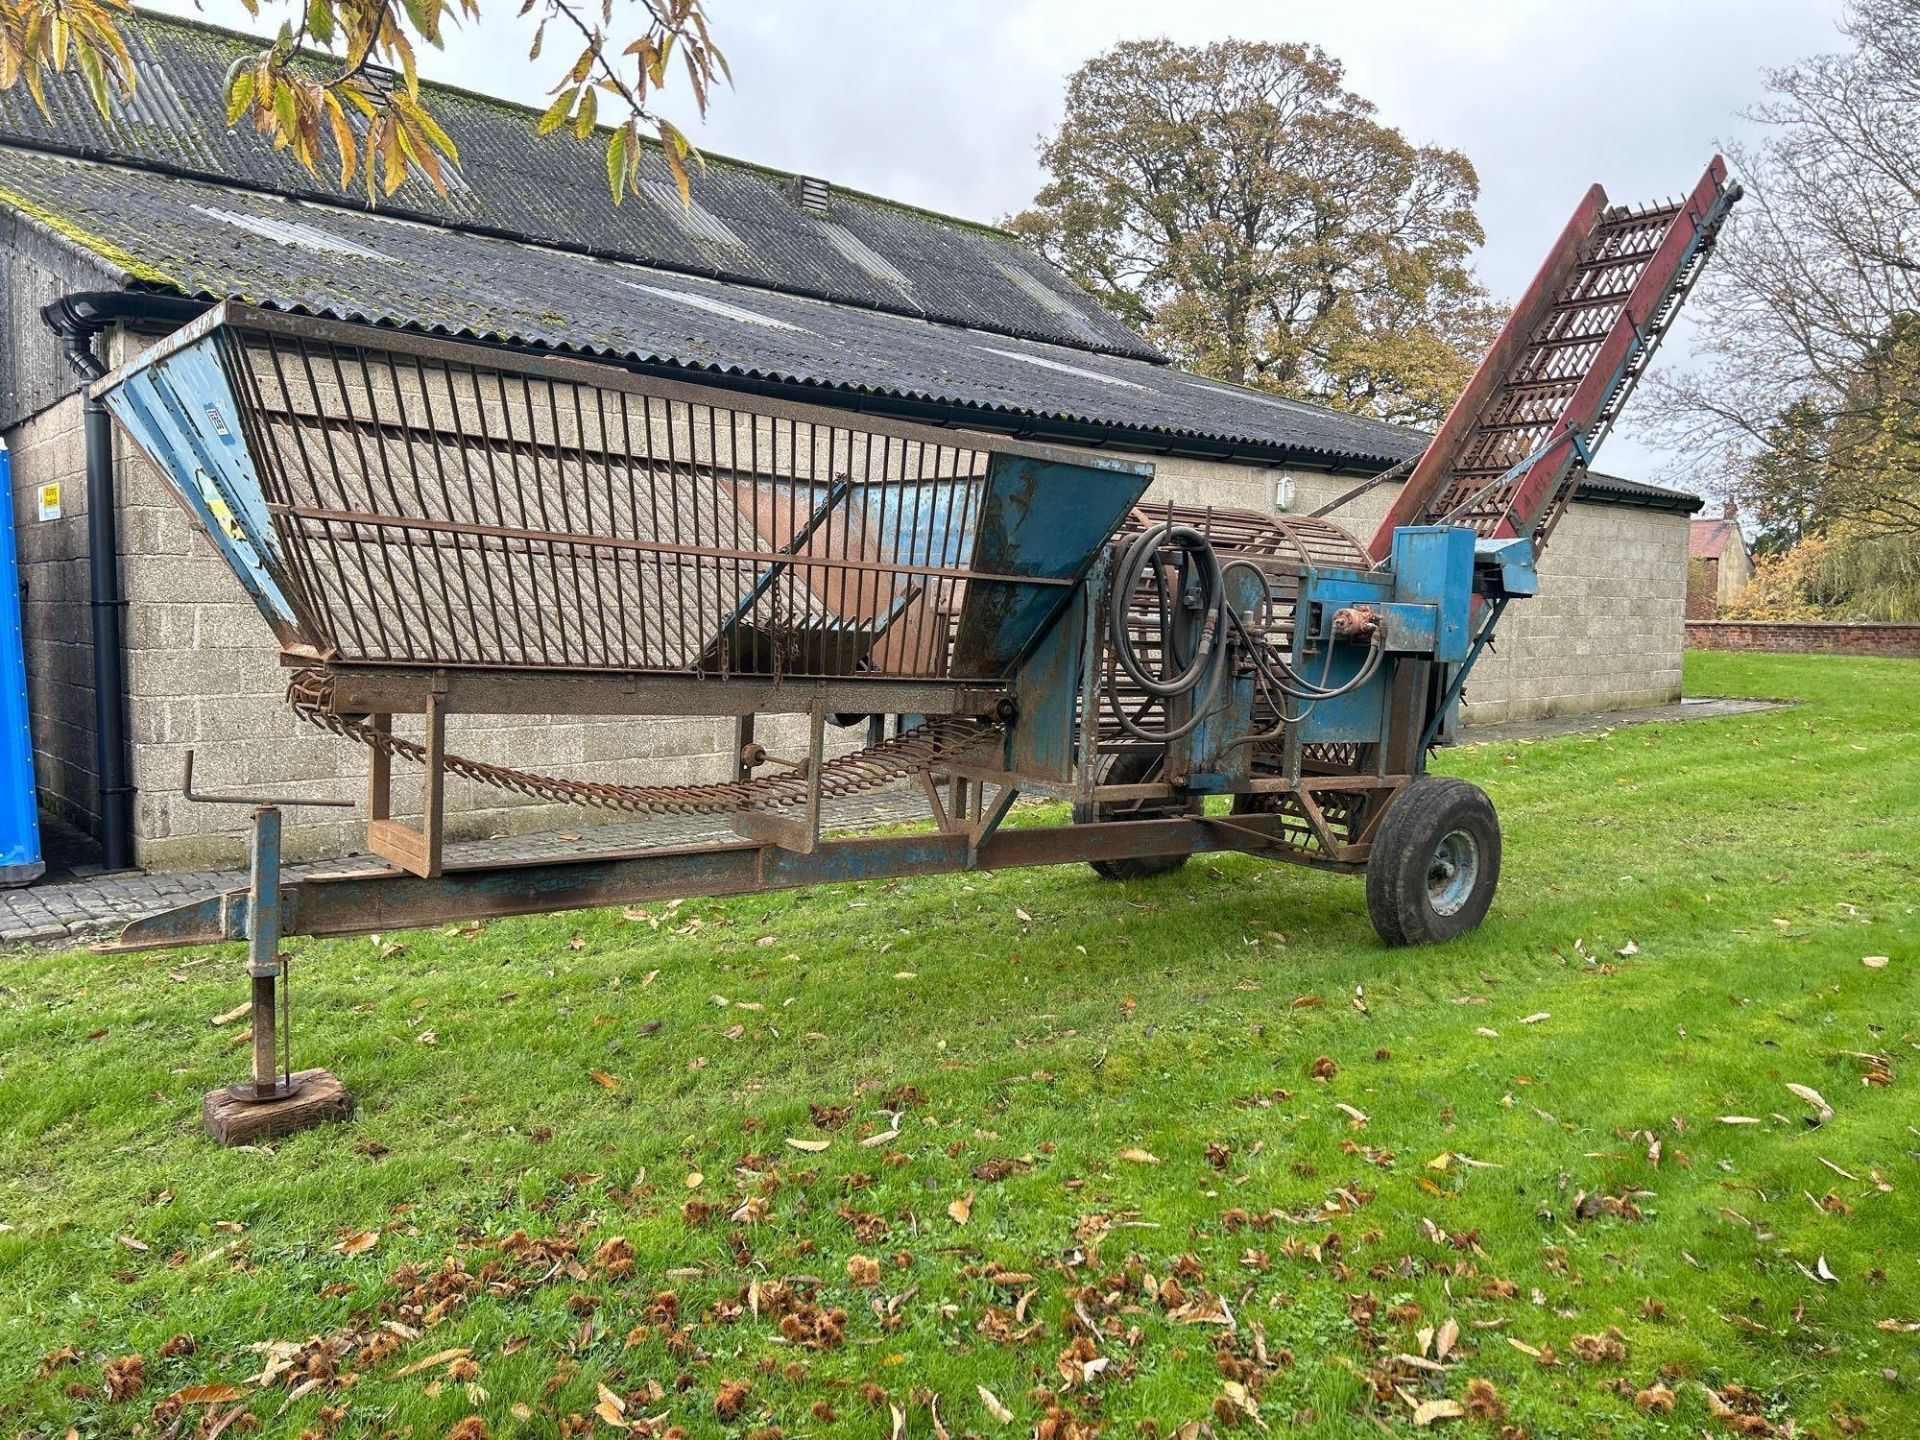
[{"x": 63, "y": 228}]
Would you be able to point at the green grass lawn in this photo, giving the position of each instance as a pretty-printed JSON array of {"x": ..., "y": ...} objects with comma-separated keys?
[{"x": 1191, "y": 1150}]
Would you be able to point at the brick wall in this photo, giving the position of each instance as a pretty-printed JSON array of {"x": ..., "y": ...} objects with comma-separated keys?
[
  {"x": 1703, "y": 589},
  {"x": 1900, "y": 642}
]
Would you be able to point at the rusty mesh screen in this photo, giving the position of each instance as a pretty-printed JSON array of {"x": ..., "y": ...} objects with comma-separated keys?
[{"x": 432, "y": 510}]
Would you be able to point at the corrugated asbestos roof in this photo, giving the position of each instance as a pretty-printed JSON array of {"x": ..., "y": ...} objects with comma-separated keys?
[
  {"x": 166, "y": 233},
  {"x": 213, "y": 241},
  {"x": 746, "y": 225}
]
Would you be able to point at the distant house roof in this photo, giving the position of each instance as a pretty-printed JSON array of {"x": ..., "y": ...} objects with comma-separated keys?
[
  {"x": 747, "y": 222},
  {"x": 147, "y": 225},
  {"x": 1707, "y": 539}
]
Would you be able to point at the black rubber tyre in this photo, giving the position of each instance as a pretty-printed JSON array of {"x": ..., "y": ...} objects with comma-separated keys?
[
  {"x": 1132, "y": 767},
  {"x": 1435, "y": 862}
]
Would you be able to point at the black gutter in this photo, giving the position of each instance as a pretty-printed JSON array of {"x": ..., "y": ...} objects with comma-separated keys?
[{"x": 77, "y": 319}]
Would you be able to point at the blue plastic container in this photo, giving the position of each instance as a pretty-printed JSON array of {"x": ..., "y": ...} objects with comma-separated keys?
[{"x": 20, "y": 862}]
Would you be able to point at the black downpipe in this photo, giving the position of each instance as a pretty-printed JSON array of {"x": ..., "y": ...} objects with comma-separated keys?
[{"x": 77, "y": 319}]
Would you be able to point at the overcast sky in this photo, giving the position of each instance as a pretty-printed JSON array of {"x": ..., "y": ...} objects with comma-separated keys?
[{"x": 942, "y": 104}]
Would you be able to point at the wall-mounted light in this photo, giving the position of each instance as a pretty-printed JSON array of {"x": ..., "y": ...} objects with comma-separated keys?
[{"x": 1282, "y": 493}]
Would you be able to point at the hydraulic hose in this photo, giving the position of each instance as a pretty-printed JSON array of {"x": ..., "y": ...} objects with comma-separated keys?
[{"x": 1200, "y": 675}]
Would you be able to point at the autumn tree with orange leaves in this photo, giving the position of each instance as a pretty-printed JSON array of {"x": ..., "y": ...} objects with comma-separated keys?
[{"x": 338, "y": 88}]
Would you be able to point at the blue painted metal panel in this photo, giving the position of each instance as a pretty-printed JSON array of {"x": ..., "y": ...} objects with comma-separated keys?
[
  {"x": 20, "y": 861},
  {"x": 1410, "y": 629},
  {"x": 1326, "y": 661},
  {"x": 1043, "y": 740},
  {"x": 1214, "y": 757},
  {"x": 181, "y": 411},
  {"x": 1043, "y": 518},
  {"x": 1507, "y": 566},
  {"x": 1433, "y": 565}
]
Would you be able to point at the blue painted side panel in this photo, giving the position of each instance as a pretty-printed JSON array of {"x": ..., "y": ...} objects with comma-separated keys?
[
  {"x": 1433, "y": 565},
  {"x": 1507, "y": 566},
  {"x": 1408, "y": 628},
  {"x": 20, "y": 860},
  {"x": 181, "y": 411},
  {"x": 1210, "y": 758},
  {"x": 1042, "y": 518},
  {"x": 1361, "y": 715}
]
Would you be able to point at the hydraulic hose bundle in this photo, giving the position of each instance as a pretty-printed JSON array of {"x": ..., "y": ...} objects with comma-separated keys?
[{"x": 1195, "y": 565}]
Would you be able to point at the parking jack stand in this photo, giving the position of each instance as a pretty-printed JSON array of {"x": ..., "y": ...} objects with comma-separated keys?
[{"x": 277, "y": 1100}]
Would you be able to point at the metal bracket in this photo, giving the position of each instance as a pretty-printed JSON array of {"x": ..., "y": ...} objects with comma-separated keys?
[
  {"x": 279, "y": 801},
  {"x": 801, "y": 836}
]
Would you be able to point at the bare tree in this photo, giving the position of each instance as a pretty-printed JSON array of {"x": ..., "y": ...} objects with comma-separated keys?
[{"x": 1809, "y": 369}]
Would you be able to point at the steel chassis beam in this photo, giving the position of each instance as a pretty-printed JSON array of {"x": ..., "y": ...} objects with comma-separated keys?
[
  {"x": 363, "y": 902},
  {"x": 404, "y": 690}
]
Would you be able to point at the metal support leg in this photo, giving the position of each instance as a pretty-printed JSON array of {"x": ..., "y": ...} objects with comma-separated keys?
[
  {"x": 266, "y": 969},
  {"x": 275, "y": 1101}
]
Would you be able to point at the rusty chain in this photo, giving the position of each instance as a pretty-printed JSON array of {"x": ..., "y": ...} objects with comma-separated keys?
[{"x": 940, "y": 740}]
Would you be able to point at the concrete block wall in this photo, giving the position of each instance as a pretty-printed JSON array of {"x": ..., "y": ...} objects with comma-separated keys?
[{"x": 1606, "y": 631}]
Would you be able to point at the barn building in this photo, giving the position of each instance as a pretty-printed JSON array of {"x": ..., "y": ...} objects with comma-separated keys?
[{"x": 141, "y": 644}]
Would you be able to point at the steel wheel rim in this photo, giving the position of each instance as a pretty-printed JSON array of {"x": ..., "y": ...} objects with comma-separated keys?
[{"x": 1452, "y": 871}]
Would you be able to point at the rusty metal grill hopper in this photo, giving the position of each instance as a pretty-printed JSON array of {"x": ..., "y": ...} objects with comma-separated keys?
[{"x": 391, "y": 499}]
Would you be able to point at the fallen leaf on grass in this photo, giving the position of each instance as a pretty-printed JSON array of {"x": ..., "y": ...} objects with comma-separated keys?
[
  {"x": 358, "y": 1244},
  {"x": 125, "y": 1377},
  {"x": 1134, "y": 1155},
  {"x": 1820, "y": 1273},
  {"x": 812, "y": 1147},
  {"x": 1875, "y": 962},
  {"x": 1898, "y": 1327},
  {"x": 133, "y": 1244},
  {"x": 996, "y": 1409},
  {"x": 439, "y": 1358},
  {"x": 1656, "y": 1399},
  {"x": 1537, "y": 1017},
  {"x": 961, "y": 1211},
  {"x": 1813, "y": 1098},
  {"x": 695, "y": 1180},
  {"x": 1739, "y": 1120},
  {"x": 232, "y": 1015},
  {"x": 612, "y": 1409},
  {"x": 600, "y": 1077},
  {"x": 1427, "y": 1412},
  {"x": 883, "y": 1136}
]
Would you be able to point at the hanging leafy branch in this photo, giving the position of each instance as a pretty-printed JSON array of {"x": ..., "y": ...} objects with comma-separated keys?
[{"x": 360, "y": 99}]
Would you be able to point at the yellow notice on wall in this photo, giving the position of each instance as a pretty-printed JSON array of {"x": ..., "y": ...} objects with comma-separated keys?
[{"x": 50, "y": 501}]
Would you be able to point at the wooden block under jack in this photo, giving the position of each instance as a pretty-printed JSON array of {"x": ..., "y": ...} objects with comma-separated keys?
[{"x": 319, "y": 1098}]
